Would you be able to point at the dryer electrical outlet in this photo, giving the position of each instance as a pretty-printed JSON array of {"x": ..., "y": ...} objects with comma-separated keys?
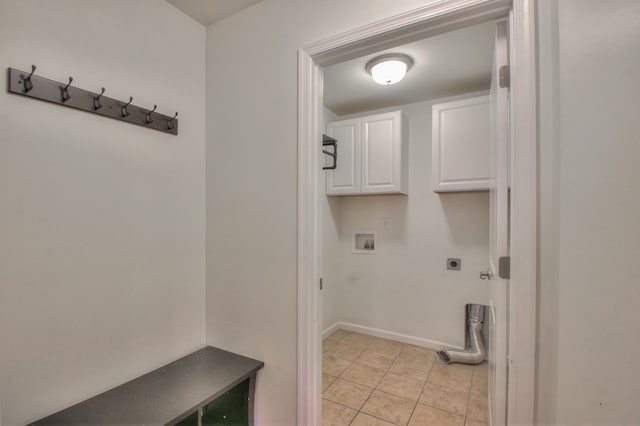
[{"x": 454, "y": 264}]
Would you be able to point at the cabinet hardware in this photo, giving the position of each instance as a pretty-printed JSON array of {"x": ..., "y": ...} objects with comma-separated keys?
[{"x": 329, "y": 141}]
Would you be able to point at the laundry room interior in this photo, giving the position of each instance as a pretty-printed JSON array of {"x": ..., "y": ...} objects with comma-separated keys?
[
  {"x": 405, "y": 233},
  {"x": 404, "y": 285}
]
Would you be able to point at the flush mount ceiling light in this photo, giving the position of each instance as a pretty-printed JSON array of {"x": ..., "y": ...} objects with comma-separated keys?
[{"x": 389, "y": 69}]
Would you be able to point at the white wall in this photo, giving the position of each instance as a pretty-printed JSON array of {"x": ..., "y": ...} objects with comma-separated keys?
[
  {"x": 102, "y": 224},
  {"x": 251, "y": 181},
  {"x": 590, "y": 239},
  {"x": 405, "y": 288},
  {"x": 329, "y": 212}
]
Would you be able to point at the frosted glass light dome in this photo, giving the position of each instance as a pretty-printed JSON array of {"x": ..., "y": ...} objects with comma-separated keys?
[{"x": 389, "y": 69}]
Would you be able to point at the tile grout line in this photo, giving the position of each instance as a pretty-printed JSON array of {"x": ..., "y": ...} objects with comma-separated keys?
[
  {"x": 386, "y": 371},
  {"x": 373, "y": 390},
  {"x": 404, "y": 345},
  {"x": 421, "y": 391},
  {"x": 473, "y": 372},
  {"x": 472, "y": 379},
  {"x": 466, "y": 412}
]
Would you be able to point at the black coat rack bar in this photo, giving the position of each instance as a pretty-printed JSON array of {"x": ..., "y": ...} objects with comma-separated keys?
[{"x": 33, "y": 86}]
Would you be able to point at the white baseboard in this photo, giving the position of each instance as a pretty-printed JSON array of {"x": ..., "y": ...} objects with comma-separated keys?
[
  {"x": 385, "y": 334},
  {"x": 331, "y": 329}
]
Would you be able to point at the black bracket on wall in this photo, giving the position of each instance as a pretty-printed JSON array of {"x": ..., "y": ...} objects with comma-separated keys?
[
  {"x": 32, "y": 86},
  {"x": 329, "y": 141}
]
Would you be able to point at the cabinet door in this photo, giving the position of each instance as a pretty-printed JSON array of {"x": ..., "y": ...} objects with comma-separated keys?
[
  {"x": 382, "y": 153},
  {"x": 345, "y": 179},
  {"x": 460, "y": 145}
]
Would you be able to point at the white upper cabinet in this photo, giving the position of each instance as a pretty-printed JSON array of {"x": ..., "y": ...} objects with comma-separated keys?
[
  {"x": 460, "y": 145},
  {"x": 372, "y": 156},
  {"x": 345, "y": 179},
  {"x": 382, "y": 151}
]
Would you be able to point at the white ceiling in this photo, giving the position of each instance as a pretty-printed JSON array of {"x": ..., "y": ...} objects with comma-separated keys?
[
  {"x": 209, "y": 11},
  {"x": 448, "y": 64}
]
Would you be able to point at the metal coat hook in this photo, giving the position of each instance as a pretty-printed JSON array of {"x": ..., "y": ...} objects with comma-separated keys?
[
  {"x": 124, "y": 111},
  {"x": 26, "y": 82},
  {"x": 96, "y": 101},
  {"x": 147, "y": 118},
  {"x": 64, "y": 91},
  {"x": 170, "y": 123}
]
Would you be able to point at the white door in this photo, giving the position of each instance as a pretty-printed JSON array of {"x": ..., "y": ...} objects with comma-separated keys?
[
  {"x": 345, "y": 179},
  {"x": 499, "y": 233},
  {"x": 381, "y": 151}
]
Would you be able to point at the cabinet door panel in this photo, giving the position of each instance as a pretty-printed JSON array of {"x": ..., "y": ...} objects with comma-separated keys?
[
  {"x": 381, "y": 153},
  {"x": 461, "y": 145},
  {"x": 345, "y": 179}
]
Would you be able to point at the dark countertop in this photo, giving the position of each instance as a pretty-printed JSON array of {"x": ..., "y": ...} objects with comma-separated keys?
[{"x": 163, "y": 396}]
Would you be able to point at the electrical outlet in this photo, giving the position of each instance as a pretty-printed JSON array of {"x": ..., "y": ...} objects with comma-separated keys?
[{"x": 454, "y": 264}]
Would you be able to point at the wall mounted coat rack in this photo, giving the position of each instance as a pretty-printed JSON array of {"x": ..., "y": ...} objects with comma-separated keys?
[{"x": 32, "y": 86}]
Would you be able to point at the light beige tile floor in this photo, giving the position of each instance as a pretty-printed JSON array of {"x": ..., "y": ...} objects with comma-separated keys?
[{"x": 372, "y": 381}]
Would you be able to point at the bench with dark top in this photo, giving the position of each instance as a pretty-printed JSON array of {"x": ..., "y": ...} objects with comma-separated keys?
[{"x": 175, "y": 393}]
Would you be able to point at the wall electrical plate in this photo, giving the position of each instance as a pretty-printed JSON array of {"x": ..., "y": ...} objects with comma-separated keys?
[{"x": 454, "y": 263}]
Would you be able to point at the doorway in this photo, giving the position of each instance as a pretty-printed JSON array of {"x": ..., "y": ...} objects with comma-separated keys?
[
  {"x": 387, "y": 286},
  {"x": 424, "y": 22}
]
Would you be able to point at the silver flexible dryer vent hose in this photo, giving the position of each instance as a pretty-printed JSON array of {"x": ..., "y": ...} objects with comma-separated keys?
[{"x": 475, "y": 351}]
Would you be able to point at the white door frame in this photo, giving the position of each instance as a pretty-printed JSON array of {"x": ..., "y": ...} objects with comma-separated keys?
[{"x": 435, "y": 18}]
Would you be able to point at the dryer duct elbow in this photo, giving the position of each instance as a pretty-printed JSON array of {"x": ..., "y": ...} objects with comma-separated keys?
[{"x": 475, "y": 350}]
